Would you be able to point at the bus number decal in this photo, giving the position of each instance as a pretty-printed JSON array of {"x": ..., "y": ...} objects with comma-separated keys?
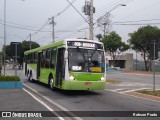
[{"x": 76, "y": 68}]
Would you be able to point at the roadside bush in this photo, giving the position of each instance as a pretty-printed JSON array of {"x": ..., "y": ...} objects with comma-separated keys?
[{"x": 9, "y": 78}]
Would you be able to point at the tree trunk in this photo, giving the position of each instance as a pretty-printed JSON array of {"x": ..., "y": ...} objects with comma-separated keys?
[
  {"x": 146, "y": 62},
  {"x": 113, "y": 63}
]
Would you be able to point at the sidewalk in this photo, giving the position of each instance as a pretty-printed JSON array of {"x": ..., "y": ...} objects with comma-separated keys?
[{"x": 17, "y": 100}]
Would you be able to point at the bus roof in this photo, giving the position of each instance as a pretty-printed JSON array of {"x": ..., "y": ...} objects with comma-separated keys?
[
  {"x": 58, "y": 43},
  {"x": 45, "y": 47}
]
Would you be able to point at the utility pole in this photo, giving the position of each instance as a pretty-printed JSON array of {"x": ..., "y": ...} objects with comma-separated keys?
[
  {"x": 153, "y": 55},
  {"x": 88, "y": 9},
  {"x": 4, "y": 49},
  {"x": 30, "y": 42},
  {"x": 53, "y": 29},
  {"x": 91, "y": 21},
  {"x": 153, "y": 61},
  {"x": 53, "y": 32}
]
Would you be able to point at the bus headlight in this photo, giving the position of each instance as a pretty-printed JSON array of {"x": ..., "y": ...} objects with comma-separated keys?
[
  {"x": 71, "y": 77},
  {"x": 102, "y": 78}
]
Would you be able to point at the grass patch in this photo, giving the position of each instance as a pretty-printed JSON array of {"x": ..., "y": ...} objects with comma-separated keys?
[
  {"x": 149, "y": 92},
  {"x": 113, "y": 81},
  {"x": 9, "y": 78}
]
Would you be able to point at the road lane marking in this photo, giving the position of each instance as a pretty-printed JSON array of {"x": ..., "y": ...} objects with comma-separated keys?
[
  {"x": 132, "y": 90},
  {"x": 42, "y": 103},
  {"x": 52, "y": 102},
  {"x": 131, "y": 84},
  {"x": 126, "y": 90},
  {"x": 132, "y": 95}
]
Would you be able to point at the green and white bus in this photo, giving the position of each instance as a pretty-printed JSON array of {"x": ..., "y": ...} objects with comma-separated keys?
[{"x": 70, "y": 64}]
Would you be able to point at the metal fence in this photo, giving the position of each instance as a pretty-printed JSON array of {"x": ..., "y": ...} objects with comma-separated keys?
[{"x": 140, "y": 66}]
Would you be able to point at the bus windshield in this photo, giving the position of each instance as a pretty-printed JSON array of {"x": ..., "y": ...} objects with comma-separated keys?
[{"x": 86, "y": 60}]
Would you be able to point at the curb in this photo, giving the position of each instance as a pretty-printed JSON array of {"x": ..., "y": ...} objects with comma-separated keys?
[
  {"x": 141, "y": 74},
  {"x": 11, "y": 85},
  {"x": 150, "y": 97}
]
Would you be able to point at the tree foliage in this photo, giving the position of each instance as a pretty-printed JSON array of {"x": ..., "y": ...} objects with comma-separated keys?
[
  {"x": 140, "y": 41},
  {"x": 25, "y": 46},
  {"x": 8, "y": 51},
  {"x": 113, "y": 44}
]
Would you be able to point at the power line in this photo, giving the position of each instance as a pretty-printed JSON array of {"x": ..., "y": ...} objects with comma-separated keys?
[
  {"x": 46, "y": 23},
  {"x": 37, "y": 29},
  {"x": 78, "y": 11},
  {"x": 58, "y": 14},
  {"x": 32, "y": 27},
  {"x": 78, "y": 23},
  {"x": 24, "y": 28},
  {"x": 141, "y": 10},
  {"x": 137, "y": 21},
  {"x": 81, "y": 22},
  {"x": 111, "y": 5},
  {"x": 138, "y": 24}
]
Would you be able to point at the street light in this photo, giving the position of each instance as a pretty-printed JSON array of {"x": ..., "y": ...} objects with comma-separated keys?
[
  {"x": 115, "y": 7},
  {"x": 111, "y": 10},
  {"x": 4, "y": 48},
  {"x": 100, "y": 20}
]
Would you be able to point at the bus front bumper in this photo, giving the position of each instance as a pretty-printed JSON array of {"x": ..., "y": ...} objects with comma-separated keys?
[{"x": 83, "y": 85}]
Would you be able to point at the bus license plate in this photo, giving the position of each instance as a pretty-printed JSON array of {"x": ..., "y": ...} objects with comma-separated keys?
[{"x": 87, "y": 83}]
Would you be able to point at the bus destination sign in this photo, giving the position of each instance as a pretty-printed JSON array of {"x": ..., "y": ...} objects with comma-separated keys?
[{"x": 85, "y": 44}]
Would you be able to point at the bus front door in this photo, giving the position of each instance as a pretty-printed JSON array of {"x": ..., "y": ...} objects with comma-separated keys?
[{"x": 60, "y": 67}]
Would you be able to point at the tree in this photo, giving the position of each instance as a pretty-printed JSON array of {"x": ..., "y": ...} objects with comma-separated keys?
[
  {"x": 113, "y": 45},
  {"x": 25, "y": 46},
  {"x": 140, "y": 41},
  {"x": 8, "y": 51}
]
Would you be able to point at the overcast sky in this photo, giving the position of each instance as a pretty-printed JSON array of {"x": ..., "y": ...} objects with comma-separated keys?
[{"x": 24, "y": 16}]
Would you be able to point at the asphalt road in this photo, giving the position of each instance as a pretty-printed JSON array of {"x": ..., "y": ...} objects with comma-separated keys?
[
  {"x": 104, "y": 100},
  {"x": 132, "y": 82},
  {"x": 135, "y": 78}
]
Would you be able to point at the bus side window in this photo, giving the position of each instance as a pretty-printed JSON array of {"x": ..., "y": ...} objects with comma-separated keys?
[
  {"x": 43, "y": 59},
  {"x": 47, "y": 58},
  {"x": 53, "y": 58}
]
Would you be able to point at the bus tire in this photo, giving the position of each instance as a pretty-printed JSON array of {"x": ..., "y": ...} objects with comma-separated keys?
[
  {"x": 51, "y": 83},
  {"x": 30, "y": 77},
  {"x": 27, "y": 73}
]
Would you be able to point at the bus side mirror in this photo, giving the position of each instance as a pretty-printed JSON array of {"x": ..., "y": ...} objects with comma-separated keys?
[{"x": 66, "y": 55}]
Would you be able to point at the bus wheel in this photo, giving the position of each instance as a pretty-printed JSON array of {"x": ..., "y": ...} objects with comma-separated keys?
[
  {"x": 28, "y": 75},
  {"x": 30, "y": 79},
  {"x": 51, "y": 83}
]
